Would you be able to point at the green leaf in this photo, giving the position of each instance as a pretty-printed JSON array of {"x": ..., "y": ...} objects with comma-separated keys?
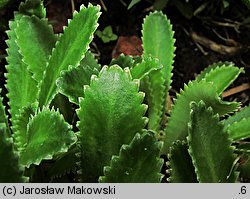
[
  {"x": 107, "y": 34},
  {"x": 209, "y": 147},
  {"x": 239, "y": 130},
  {"x": 47, "y": 135},
  {"x": 237, "y": 117},
  {"x": 110, "y": 115},
  {"x": 210, "y": 68},
  {"x": 124, "y": 61},
  {"x": 36, "y": 40},
  {"x": 144, "y": 68},
  {"x": 158, "y": 41},
  {"x": 64, "y": 106},
  {"x": 32, "y": 7},
  {"x": 237, "y": 125},
  {"x": 99, "y": 33},
  {"x": 136, "y": 59},
  {"x": 3, "y": 118},
  {"x": 20, "y": 127},
  {"x": 180, "y": 163},
  {"x": 11, "y": 172},
  {"x": 71, "y": 82},
  {"x": 153, "y": 85},
  {"x": 69, "y": 50},
  {"x": 177, "y": 126},
  {"x": 132, "y": 3},
  {"x": 22, "y": 88},
  {"x": 113, "y": 37},
  {"x": 137, "y": 162},
  {"x": 63, "y": 165},
  {"x": 222, "y": 75},
  {"x": 89, "y": 60}
]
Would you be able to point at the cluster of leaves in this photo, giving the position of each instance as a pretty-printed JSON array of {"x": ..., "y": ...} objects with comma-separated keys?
[
  {"x": 107, "y": 34},
  {"x": 54, "y": 82}
]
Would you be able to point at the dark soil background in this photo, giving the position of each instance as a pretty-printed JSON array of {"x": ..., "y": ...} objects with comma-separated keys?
[{"x": 230, "y": 28}]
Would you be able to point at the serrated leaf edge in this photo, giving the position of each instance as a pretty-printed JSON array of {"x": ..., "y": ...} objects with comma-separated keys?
[
  {"x": 63, "y": 149},
  {"x": 209, "y": 111},
  {"x": 227, "y": 128},
  {"x": 168, "y": 163},
  {"x": 45, "y": 20},
  {"x": 65, "y": 28},
  {"x": 222, "y": 66},
  {"x": 172, "y": 32}
]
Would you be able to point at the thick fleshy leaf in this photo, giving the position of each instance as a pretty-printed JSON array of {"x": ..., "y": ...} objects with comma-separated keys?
[
  {"x": 222, "y": 75},
  {"x": 138, "y": 162},
  {"x": 238, "y": 125},
  {"x": 36, "y": 40},
  {"x": 209, "y": 148},
  {"x": 11, "y": 172},
  {"x": 63, "y": 165},
  {"x": 21, "y": 86},
  {"x": 124, "y": 61},
  {"x": 237, "y": 117},
  {"x": 71, "y": 82},
  {"x": 20, "y": 127},
  {"x": 149, "y": 71},
  {"x": 110, "y": 115},
  {"x": 32, "y": 7},
  {"x": 239, "y": 130},
  {"x": 158, "y": 41},
  {"x": 3, "y": 118},
  {"x": 154, "y": 89},
  {"x": 47, "y": 135},
  {"x": 180, "y": 163},
  {"x": 208, "y": 69},
  {"x": 69, "y": 50},
  {"x": 177, "y": 126},
  {"x": 144, "y": 68},
  {"x": 90, "y": 60},
  {"x": 64, "y": 106},
  {"x": 9, "y": 165},
  {"x": 137, "y": 60}
]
